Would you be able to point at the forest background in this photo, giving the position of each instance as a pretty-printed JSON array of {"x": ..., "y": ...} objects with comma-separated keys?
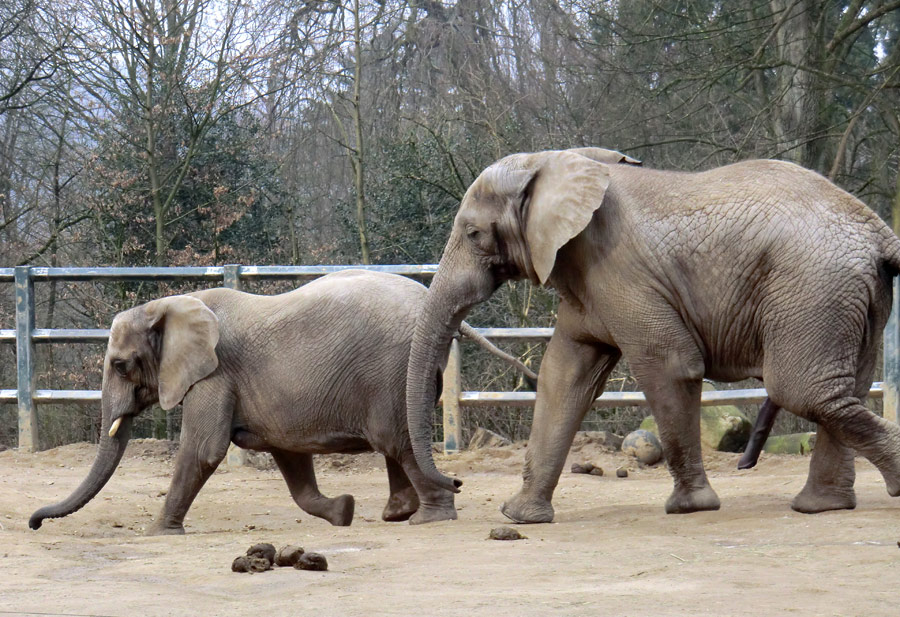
[{"x": 206, "y": 132}]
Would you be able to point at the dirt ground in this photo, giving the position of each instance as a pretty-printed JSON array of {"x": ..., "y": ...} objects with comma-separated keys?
[{"x": 611, "y": 551}]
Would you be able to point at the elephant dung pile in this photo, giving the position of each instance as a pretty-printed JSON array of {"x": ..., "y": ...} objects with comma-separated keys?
[
  {"x": 261, "y": 557},
  {"x": 506, "y": 533}
]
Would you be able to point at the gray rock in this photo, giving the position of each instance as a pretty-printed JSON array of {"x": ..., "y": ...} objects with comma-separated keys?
[
  {"x": 484, "y": 438},
  {"x": 722, "y": 427},
  {"x": 644, "y": 446},
  {"x": 608, "y": 440},
  {"x": 793, "y": 443}
]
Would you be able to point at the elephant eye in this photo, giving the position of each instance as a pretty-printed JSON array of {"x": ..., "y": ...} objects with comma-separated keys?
[
  {"x": 121, "y": 367},
  {"x": 474, "y": 234}
]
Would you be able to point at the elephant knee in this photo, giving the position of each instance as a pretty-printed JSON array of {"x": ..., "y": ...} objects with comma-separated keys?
[{"x": 210, "y": 454}]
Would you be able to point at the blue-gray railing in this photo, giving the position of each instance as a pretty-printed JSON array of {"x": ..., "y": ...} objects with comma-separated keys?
[{"x": 25, "y": 336}]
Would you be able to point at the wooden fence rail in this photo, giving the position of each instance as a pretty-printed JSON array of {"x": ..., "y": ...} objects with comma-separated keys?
[{"x": 25, "y": 336}]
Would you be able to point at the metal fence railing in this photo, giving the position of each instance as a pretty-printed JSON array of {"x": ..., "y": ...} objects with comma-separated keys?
[{"x": 26, "y": 336}]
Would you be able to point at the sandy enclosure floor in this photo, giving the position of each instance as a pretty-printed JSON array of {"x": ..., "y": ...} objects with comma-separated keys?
[{"x": 611, "y": 551}]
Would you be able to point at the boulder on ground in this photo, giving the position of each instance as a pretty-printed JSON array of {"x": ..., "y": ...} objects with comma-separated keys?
[
  {"x": 644, "y": 446},
  {"x": 607, "y": 440},
  {"x": 722, "y": 427},
  {"x": 794, "y": 443},
  {"x": 484, "y": 438}
]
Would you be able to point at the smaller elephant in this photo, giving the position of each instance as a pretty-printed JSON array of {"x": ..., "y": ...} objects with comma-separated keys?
[{"x": 321, "y": 369}]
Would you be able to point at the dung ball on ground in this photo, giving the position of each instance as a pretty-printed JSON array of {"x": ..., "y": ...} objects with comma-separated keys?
[
  {"x": 505, "y": 533},
  {"x": 311, "y": 561},
  {"x": 288, "y": 555},
  {"x": 245, "y": 563},
  {"x": 582, "y": 467},
  {"x": 621, "y": 472},
  {"x": 263, "y": 550},
  {"x": 644, "y": 446}
]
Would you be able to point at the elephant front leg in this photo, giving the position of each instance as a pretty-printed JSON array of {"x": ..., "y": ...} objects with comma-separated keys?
[
  {"x": 298, "y": 472},
  {"x": 205, "y": 436},
  {"x": 404, "y": 501},
  {"x": 571, "y": 376}
]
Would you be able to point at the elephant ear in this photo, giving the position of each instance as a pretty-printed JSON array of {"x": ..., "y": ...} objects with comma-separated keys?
[
  {"x": 602, "y": 155},
  {"x": 190, "y": 332},
  {"x": 559, "y": 203}
]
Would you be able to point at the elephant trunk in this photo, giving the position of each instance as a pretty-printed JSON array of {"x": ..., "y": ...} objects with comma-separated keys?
[
  {"x": 109, "y": 454},
  {"x": 448, "y": 301}
]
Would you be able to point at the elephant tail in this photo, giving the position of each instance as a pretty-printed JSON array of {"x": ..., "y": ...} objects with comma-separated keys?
[{"x": 470, "y": 333}]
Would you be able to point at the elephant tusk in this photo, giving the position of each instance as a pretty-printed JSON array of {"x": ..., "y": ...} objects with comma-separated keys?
[{"x": 115, "y": 426}]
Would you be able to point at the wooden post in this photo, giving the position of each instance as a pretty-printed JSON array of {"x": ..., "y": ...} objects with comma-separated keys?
[
  {"x": 892, "y": 358},
  {"x": 236, "y": 457},
  {"x": 452, "y": 390},
  {"x": 28, "y": 426}
]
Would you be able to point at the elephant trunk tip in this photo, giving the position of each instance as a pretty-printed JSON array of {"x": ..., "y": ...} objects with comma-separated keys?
[
  {"x": 446, "y": 482},
  {"x": 36, "y": 520}
]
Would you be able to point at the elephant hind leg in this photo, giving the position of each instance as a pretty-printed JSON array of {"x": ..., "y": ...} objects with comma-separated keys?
[
  {"x": 298, "y": 472},
  {"x": 435, "y": 503},
  {"x": 404, "y": 501},
  {"x": 845, "y": 423},
  {"x": 832, "y": 473}
]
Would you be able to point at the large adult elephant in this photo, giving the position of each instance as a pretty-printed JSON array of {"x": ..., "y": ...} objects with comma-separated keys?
[
  {"x": 758, "y": 269},
  {"x": 319, "y": 369}
]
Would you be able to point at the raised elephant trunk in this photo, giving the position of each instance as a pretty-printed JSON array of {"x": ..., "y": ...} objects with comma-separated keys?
[
  {"x": 109, "y": 454},
  {"x": 447, "y": 303}
]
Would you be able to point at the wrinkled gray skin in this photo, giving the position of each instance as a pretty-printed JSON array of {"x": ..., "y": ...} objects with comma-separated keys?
[
  {"x": 758, "y": 269},
  {"x": 317, "y": 370}
]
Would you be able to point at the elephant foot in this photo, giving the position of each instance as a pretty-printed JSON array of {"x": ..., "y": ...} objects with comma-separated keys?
[
  {"x": 433, "y": 514},
  {"x": 401, "y": 505},
  {"x": 812, "y": 500},
  {"x": 683, "y": 501},
  {"x": 339, "y": 511},
  {"x": 163, "y": 529},
  {"x": 524, "y": 509},
  {"x": 893, "y": 485}
]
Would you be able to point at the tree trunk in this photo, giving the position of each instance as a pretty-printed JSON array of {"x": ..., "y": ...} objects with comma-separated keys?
[{"x": 358, "y": 168}]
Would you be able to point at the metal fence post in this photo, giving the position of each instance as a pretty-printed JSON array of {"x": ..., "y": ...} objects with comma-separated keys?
[
  {"x": 452, "y": 390},
  {"x": 892, "y": 358},
  {"x": 28, "y": 427},
  {"x": 236, "y": 457},
  {"x": 232, "y": 276}
]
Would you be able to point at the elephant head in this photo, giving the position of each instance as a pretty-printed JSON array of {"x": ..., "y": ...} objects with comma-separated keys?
[
  {"x": 156, "y": 352},
  {"x": 512, "y": 221}
]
